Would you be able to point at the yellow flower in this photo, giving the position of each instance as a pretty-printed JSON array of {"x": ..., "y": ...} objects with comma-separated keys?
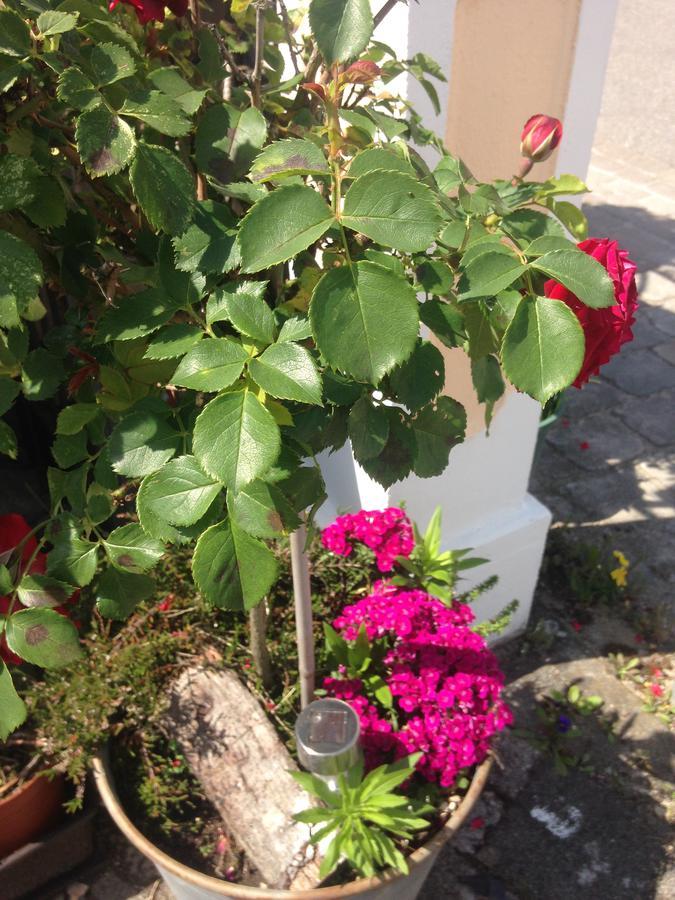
[
  {"x": 619, "y": 576},
  {"x": 623, "y": 562}
]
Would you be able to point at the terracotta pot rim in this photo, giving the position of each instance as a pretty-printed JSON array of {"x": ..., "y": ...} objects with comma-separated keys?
[
  {"x": 106, "y": 789},
  {"x": 26, "y": 786}
]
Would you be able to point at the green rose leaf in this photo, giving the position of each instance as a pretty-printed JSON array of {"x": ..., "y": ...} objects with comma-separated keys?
[
  {"x": 12, "y": 708},
  {"x": 72, "y": 559},
  {"x": 43, "y": 637},
  {"x": 99, "y": 504},
  {"x": 173, "y": 341},
  {"x": 157, "y": 110},
  {"x": 41, "y": 590},
  {"x": 109, "y": 63},
  {"x": 378, "y": 158},
  {"x": 119, "y": 593},
  {"x": 342, "y": 28},
  {"x": 420, "y": 378},
  {"x": 489, "y": 273},
  {"x": 281, "y": 225},
  {"x": 163, "y": 187},
  {"x": 368, "y": 428},
  {"x": 129, "y": 548},
  {"x": 213, "y": 139},
  {"x": 209, "y": 244},
  {"x": 49, "y": 209},
  {"x": 481, "y": 335},
  {"x": 288, "y": 372},
  {"x": 528, "y": 224},
  {"x": 437, "y": 430},
  {"x": 8, "y": 443},
  {"x": 9, "y": 388},
  {"x": 450, "y": 173},
  {"x": 137, "y": 315},
  {"x": 73, "y": 418},
  {"x": 20, "y": 273},
  {"x": 580, "y": 273},
  {"x": 247, "y": 137},
  {"x": 561, "y": 184},
  {"x": 262, "y": 510},
  {"x": 236, "y": 439},
  {"x": 180, "y": 492},
  {"x": 486, "y": 375},
  {"x": 545, "y": 244},
  {"x": 41, "y": 374},
  {"x": 232, "y": 569},
  {"x": 141, "y": 443},
  {"x": 14, "y": 34},
  {"x": 76, "y": 90},
  {"x": 105, "y": 142},
  {"x": 69, "y": 449},
  {"x": 294, "y": 156},
  {"x": 393, "y": 209},
  {"x": 543, "y": 347},
  {"x": 296, "y": 329},
  {"x": 55, "y": 22},
  {"x": 19, "y": 181},
  {"x": 243, "y": 304},
  {"x": 364, "y": 320},
  {"x": 169, "y": 80},
  {"x": 445, "y": 320},
  {"x": 395, "y": 460},
  {"x": 211, "y": 365}
]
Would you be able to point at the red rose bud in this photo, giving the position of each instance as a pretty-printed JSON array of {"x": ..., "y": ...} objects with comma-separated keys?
[
  {"x": 318, "y": 89},
  {"x": 541, "y": 135},
  {"x": 152, "y": 10},
  {"x": 362, "y": 72},
  {"x": 606, "y": 329}
]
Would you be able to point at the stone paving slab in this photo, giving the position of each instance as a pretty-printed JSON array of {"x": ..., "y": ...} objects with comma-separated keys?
[
  {"x": 596, "y": 441},
  {"x": 640, "y": 372},
  {"x": 653, "y": 417}
]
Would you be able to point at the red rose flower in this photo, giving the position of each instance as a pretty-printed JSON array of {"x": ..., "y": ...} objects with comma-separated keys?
[
  {"x": 540, "y": 136},
  {"x": 153, "y": 10},
  {"x": 605, "y": 330},
  {"x": 13, "y": 530}
]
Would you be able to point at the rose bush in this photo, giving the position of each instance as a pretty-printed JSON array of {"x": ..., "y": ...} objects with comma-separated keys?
[{"x": 216, "y": 265}]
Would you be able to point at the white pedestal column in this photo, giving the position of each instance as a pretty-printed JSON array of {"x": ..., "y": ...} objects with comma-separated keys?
[{"x": 483, "y": 493}]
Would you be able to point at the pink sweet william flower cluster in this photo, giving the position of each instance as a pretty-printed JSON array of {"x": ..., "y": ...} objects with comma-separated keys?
[
  {"x": 387, "y": 532},
  {"x": 445, "y": 683}
]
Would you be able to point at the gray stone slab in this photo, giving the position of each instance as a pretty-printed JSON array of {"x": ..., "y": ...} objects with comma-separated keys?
[
  {"x": 597, "y": 441},
  {"x": 640, "y": 372},
  {"x": 662, "y": 317},
  {"x": 600, "y": 496},
  {"x": 667, "y": 352},
  {"x": 594, "y": 396},
  {"x": 653, "y": 417}
]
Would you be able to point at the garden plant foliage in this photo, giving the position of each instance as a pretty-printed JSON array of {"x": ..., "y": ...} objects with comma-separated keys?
[{"x": 215, "y": 272}]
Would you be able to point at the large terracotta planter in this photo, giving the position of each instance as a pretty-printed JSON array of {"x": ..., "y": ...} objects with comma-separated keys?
[
  {"x": 188, "y": 884},
  {"x": 29, "y": 811}
]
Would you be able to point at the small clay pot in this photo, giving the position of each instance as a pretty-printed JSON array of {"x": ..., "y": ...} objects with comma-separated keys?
[{"x": 29, "y": 811}]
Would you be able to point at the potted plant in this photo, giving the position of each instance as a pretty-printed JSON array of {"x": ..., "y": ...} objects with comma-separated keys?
[{"x": 219, "y": 271}]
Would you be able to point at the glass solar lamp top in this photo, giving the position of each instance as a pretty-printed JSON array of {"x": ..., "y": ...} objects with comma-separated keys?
[{"x": 327, "y": 734}]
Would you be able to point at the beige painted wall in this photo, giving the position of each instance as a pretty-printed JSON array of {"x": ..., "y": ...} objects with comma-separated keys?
[{"x": 511, "y": 59}]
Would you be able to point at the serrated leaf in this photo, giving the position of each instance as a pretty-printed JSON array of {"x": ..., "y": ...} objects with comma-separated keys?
[
  {"x": 173, "y": 341},
  {"x": 420, "y": 378},
  {"x": 287, "y": 371},
  {"x": 9, "y": 388},
  {"x": 243, "y": 304},
  {"x": 364, "y": 320},
  {"x": 213, "y": 138},
  {"x": 14, "y": 34},
  {"x": 136, "y": 315},
  {"x": 131, "y": 549},
  {"x": 19, "y": 181},
  {"x": 157, "y": 110},
  {"x": 73, "y": 418},
  {"x": 41, "y": 374},
  {"x": 281, "y": 225},
  {"x": 247, "y": 137},
  {"x": 209, "y": 244},
  {"x": 42, "y": 591},
  {"x": 236, "y": 439},
  {"x": 69, "y": 449},
  {"x": 395, "y": 460},
  {"x": 368, "y": 428},
  {"x": 584, "y": 276},
  {"x": 297, "y": 328},
  {"x": 56, "y": 22},
  {"x": 71, "y": 559},
  {"x": 13, "y": 710},
  {"x": 20, "y": 271},
  {"x": 262, "y": 510},
  {"x": 105, "y": 142},
  {"x": 543, "y": 347},
  {"x": 545, "y": 244},
  {"x": 450, "y": 172},
  {"x": 212, "y": 365},
  {"x": 43, "y": 637},
  {"x": 232, "y": 569},
  {"x": 110, "y": 63},
  {"x": 179, "y": 493},
  {"x": 437, "y": 428},
  {"x": 100, "y": 504},
  {"x": 294, "y": 156},
  {"x": 378, "y": 158},
  {"x": 141, "y": 443},
  {"x": 445, "y": 320},
  {"x": 169, "y": 80},
  {"x": 119, "y": 593},
  {"x": 481, "y": 336},
  {"x": 486, "y": 375},
  {"x": 163, "y": 187},
  {"x": 48, "y": 210},
  {"x": 341, "y": 28},
  {"x": 8, "y": 443},
  {"x": 76, "y": 90},
  {"x": 489, "y": 273}
]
